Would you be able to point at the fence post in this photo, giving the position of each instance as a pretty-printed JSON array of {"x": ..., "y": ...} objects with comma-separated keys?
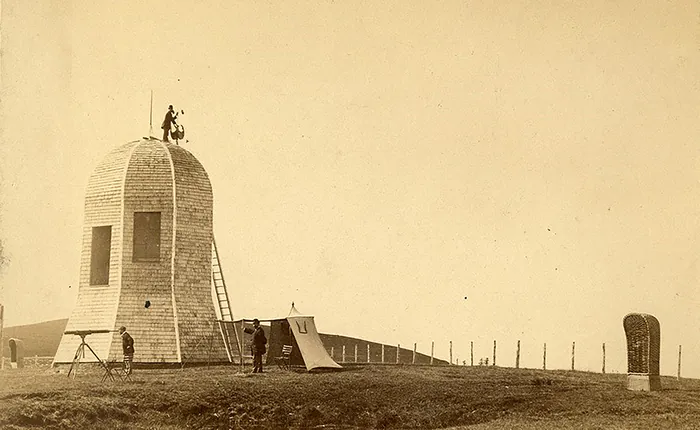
[
  {"x": 471, "y": 348},
  {"x": 494, "y": 353},
  {"x": 432, "y": 351},
  {"x": 382, "y": 353},
  {"x": 413, "y": 361},
  {"x": 398, "y": 351},
  {"x": 450, "y": 352},
  {"x": 343, "y": 353},
  {"x": 573, "y": 354},
  {"x": 603, "y": 357},
  {"x": 679, "y": 362},
  {"x": 544, "y": 357},
  {"x": 368, "y": 353},
  {"x": 2, "y": 343},
  {"x": 517, "y": 356},
  {"x": 355, "y": 353},
  {"x": 332, "y": 353}
]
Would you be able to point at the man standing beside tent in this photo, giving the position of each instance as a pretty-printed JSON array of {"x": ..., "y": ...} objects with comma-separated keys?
[{"x": 259, "y": 342}]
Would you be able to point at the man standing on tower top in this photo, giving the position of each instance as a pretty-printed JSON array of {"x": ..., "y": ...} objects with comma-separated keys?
[{"x": 168, "y": 122}]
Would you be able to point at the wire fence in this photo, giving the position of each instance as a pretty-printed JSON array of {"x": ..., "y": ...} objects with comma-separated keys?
[{"x": 366, "y": 353}]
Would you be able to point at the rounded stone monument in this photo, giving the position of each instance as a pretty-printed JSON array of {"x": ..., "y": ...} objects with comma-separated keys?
[
  {"x": 16, "y": 353},
  {"x": 643, "y": 350}
]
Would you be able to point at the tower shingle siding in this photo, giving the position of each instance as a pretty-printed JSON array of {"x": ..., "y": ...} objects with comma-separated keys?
[{"x": 164, "y": 302}]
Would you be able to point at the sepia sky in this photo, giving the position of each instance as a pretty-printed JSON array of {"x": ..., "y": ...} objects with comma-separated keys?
[{"x": 405, "y": 171}]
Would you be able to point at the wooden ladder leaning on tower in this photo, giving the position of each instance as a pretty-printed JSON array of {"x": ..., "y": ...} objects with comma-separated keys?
[{"x": 224, "y": 304}]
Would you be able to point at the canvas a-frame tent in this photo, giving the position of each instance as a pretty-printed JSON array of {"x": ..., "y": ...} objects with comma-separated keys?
[{"x": 295, "y": 329}]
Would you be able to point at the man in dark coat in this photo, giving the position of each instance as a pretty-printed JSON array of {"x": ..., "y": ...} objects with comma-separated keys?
[
  {"x": 127, "y": 348},
  {"x": 258, "y": 346},
  {"x": 168, "y": 122}
]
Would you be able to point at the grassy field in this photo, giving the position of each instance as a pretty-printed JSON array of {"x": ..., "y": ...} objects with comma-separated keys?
[{"x": 360, "y": 397}]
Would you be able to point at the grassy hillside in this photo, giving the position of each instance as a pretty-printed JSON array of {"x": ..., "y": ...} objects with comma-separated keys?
[
  {"x": 337, "y": 342},
  {"x": 40, "y": 339},
  {"x": 423, "y": 397}
]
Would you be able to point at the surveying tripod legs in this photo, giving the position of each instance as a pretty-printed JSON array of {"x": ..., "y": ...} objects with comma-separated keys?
[
  {"x": 108, "y": 371},
  {"x": 80, "y": 352}
]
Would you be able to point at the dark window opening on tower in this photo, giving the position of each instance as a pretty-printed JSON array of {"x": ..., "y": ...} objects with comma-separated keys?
[
  {"x": 146, "y": 236},
  {"x": 99, "y": 255}
]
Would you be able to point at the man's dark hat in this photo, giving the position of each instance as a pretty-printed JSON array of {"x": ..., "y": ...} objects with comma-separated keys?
[
  {"x": 170, "y": 106},
  {"x": 256, "y": 320}
]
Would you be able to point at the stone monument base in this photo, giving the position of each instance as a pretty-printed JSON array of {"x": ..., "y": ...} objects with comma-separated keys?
[{"x": 643, "y": 382}]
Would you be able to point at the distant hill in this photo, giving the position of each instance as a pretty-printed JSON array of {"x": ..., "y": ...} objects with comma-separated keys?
[
  {"x": 375, "y": 350},
  {"x": 42, "y": 339}
]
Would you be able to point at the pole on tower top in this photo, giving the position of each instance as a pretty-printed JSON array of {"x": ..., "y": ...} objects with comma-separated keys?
[{"x": 150, "y": 120}]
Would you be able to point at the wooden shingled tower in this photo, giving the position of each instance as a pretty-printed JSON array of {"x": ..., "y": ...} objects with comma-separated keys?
[{"x": 146, "y": 260}]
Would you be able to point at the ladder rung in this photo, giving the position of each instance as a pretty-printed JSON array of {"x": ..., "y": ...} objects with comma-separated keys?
[{"x": 220, "y": 288}]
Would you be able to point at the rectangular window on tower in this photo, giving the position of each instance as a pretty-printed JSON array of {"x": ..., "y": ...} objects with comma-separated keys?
[
  {"x": 99, "y": 255},
  {"x": 146, "y": 236}
]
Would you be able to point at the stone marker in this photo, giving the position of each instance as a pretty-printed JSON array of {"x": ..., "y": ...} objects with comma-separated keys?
[{"x": 643, "y": 350}]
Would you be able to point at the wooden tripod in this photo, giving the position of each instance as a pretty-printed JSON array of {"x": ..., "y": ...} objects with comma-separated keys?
[{"x": 80, "y": 353}]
